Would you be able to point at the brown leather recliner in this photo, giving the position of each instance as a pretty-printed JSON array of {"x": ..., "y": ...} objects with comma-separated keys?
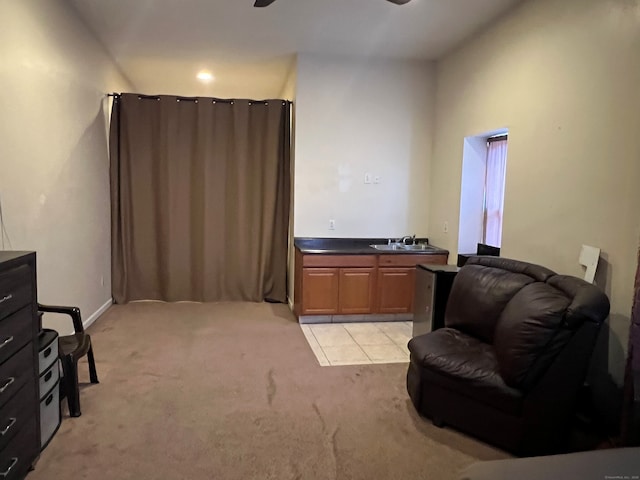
[{"x": 512, "y": 357}]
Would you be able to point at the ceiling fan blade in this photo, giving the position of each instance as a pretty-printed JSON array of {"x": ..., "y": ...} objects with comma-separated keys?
[
  {"x": 399, "y": 2},
  {"x": 263, "y": 3}
]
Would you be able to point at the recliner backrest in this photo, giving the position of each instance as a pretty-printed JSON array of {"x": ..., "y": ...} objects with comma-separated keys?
[
  {"x": 482, "y": 289},
  {"x": 539, "y": 321},
  {"x": 530, "y": 333}
]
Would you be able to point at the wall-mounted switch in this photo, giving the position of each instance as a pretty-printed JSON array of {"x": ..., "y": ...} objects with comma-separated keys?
[
  {"x": 332, "y": 224},
  {"x": 367, "y": 178},
  {"x": 445, "y": 227}
]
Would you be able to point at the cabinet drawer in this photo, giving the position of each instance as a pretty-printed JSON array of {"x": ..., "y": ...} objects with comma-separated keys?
[
  {"x": 15, "y": 289},
  {"x": 48, "y": 379},
  {"x": 16, "y": 413},
  {"x": 49, "y": 415},
  {"x": 17, "y": 457},
  {"x": 15, "y": 372},
  {"x": 404, "y": 260},
  {"x": 15, "y": 331},
  {"x": 47, "y": 349},
  {"x": 323, "y": 260}
]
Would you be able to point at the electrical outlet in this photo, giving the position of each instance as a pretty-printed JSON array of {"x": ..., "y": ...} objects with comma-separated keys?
[
  {"x": 332, "y": 224},
  {"x": 445, "y": 227},
  {"x": 367, "y": 178},
  {"x": 376, "y": 179}
]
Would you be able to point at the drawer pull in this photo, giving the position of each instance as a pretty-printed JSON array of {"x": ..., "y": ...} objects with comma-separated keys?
[
  {"x": 4, "y": 474},
  {"x": 6, "y": 297},
  {"x": 48, "y": 376},
  {"x": 47, "y": 352},
  {"x": 4, "y": 431},
  {"x": 7, "y": 383},
  {"x": 6, "y": 342},
  {"x": 48, "y": 400}
]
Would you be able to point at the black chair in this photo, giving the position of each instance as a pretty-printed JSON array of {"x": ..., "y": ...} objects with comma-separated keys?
[{"x": 70, "y": 349}]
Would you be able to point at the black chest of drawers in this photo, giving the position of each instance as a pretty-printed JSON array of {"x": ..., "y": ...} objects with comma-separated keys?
[{"x": 19, "y": 398}]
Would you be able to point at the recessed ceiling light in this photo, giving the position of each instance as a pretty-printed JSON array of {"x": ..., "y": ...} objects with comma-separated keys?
[{"x": 204, "y": 76}]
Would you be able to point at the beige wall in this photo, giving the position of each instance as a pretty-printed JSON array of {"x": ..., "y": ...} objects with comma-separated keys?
[
  {"x": 355, "y": 116},
  {"x": 54, "y": 185},
  {"x": 563, "y": 76},
  {"x": 289, "y": 93}
]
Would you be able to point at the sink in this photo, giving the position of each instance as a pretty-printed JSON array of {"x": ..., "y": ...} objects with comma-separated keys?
[
  {"x": 387, "y": 248},
  {"x": 420, "y": 247},
  {"x": 399, "y": 247}
]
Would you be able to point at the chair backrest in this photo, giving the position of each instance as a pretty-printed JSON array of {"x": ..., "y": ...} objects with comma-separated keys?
[
  {"x": 73, "y": 312},
  {"x": 482, "y": 289},
  {"x": 540, "y": 321}
]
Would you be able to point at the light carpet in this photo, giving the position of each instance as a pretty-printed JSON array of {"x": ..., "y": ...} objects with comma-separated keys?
[{"x": 233, "y": 391}]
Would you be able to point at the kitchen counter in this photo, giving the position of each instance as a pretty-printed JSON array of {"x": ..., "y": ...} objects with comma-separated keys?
[
  {"x": 345, "y": 279},
  {"x": 358, "y": 246}
]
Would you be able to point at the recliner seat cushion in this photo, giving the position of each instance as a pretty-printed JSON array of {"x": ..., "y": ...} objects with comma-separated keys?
[{"x": 466, "y": 365}]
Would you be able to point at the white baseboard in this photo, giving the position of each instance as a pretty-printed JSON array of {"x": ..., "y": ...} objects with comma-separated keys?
[{"x": 94, "y": 316}]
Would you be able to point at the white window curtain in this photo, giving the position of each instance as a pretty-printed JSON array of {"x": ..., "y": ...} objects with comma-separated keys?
[{"x": 494, "y": 191}]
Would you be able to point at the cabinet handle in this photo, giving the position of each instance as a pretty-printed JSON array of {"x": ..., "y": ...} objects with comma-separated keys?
[
  {"x": 48, "y": 376},
  {"x": 48, "y": 400},
  {"x": 6, "y": 297},
  {"x": 4, "y": 474},
  {"x": 6, "y": 342},
  {"x": 7, "y": 383},
  {"x": 47, "y": 352},
  {"x": 4, "y": 431}
]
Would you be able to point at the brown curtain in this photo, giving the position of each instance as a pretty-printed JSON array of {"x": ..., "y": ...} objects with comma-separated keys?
[{"x": 199, "y": 199}]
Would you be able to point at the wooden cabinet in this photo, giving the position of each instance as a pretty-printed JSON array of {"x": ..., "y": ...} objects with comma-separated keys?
[
  {"x": 327, "y": 284},
  {"x": 356, "y": 290},
  {"x": 396, "y": 280},
  {"x": 395, "y": 290},
  {"x": 335, "y": 284},
  {"x": 320, "y": 292}
]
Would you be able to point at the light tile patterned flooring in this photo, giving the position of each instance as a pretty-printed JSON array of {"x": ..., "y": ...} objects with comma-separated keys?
[{"x": 359, "y": 343}]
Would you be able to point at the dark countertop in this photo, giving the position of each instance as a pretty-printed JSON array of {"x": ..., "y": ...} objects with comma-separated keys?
[
  {"x": 358, "y": 246},
  {"x": 438, "y": 268}
]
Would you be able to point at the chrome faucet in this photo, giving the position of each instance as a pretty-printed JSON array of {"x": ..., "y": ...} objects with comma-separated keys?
[{"x": 408, "y": 237}]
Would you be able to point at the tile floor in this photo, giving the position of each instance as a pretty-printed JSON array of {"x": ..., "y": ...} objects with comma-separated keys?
[{"x": 359, "y": 343}]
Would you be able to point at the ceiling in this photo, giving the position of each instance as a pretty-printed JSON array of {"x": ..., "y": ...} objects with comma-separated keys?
[{"x": 160, "y": 45}]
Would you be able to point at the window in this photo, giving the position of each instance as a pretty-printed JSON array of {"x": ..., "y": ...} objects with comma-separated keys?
[{"x": 496, "y": 168}]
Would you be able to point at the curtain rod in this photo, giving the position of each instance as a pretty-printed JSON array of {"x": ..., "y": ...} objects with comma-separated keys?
[
  {"x": 214, "y": 99},
  {"x": 498, "y": 138}
]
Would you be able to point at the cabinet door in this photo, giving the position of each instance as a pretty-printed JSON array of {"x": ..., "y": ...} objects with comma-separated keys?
[
  {"x": 356, "y": 290},
  {"x": 320, "y": 291},
  {"x": 395, "y": 290}
]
